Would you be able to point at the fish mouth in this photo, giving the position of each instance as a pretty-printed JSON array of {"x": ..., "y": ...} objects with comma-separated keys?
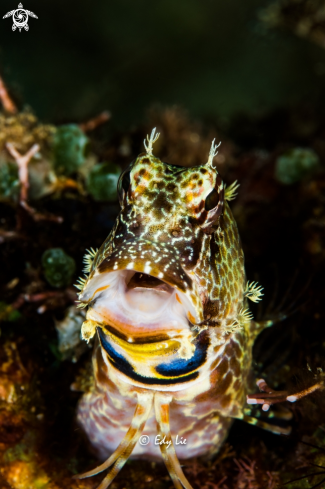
[
  {"x": 138, "y": 308},
  {"x": 145, "y": 308},
  {"x": 144, "y": 299},
  {"x": 141, "y": 294}
]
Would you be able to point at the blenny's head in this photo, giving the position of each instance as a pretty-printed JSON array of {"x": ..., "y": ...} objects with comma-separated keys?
[{"x": 150, "y": 286}]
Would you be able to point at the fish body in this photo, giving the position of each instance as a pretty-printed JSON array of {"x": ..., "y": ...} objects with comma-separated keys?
[{"x": 166, "y": 297}]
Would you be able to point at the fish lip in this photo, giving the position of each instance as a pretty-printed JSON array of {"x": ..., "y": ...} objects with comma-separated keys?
[
  {"x": 145, "y": 339},
  {"x": 147, "y": 349},
  {"x": 168, "y": 367}
]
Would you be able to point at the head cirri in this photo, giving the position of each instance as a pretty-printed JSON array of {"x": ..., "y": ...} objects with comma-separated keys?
[{"x": 168, "y": 282}]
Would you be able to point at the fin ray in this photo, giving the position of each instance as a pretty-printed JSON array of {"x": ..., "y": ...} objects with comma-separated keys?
[
  {"x": 125, "y": 448},
  {"x": 277, "y": 430},
  {"x": 168, "y": 452}
]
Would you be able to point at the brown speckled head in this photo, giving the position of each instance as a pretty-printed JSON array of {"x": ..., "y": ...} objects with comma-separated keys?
[{"x": 172, "y": 270}]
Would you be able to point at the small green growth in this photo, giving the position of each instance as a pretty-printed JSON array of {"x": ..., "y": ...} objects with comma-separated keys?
[
  {"x": 295, "y": 164},
  {"x": 72, "y": 465},
  {"x": 14, "y": 315},
  {"x": 23, "y": 450},
  {"x": 9, "y": 181},
  {"x": 58, "y": 267},
  {"x": 69, "y": 146},
  {"x": 303, "y": 484},
  {"x": 102, "y": 182},
  {"x": 54, "y": 348},
  {"x": 7, "y": 313},
  {"x": 18, "y": 452}
]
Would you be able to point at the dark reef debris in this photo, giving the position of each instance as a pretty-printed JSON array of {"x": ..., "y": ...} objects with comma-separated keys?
[{"x": 305, "y": 18}]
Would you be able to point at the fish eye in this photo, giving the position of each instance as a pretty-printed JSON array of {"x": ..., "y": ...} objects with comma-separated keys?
[
  {"x": 123, "y": 185},
  {"x": 212, "y": 200}
]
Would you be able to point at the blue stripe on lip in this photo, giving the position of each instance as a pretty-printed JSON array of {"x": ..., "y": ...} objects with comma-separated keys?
[
  {"x": 121, "y": 364},
  {"x": 181, "y": 366}
]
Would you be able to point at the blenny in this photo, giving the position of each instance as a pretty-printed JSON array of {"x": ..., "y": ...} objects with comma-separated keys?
[{"x": 167, "y": 304}]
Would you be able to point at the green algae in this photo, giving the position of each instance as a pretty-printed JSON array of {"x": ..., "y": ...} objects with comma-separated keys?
[
  {"x": 9, "y": 181},
  {"x": 7, "y": 313},
  {"x": 102, "y": 182},
  {"x": 296, "y": 164},
  {"x": 21, "y": 451},
  {"x": 58, "y": 267},
  {"x": 69, "y": 149}
]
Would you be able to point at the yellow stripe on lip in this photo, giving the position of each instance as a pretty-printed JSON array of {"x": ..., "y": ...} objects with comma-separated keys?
[{"x": 161, "y": 348}]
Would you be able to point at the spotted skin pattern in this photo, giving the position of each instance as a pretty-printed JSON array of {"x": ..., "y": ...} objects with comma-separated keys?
[
  {"x": 165, "y": 212},
  {"x": 175, "y": 225}
]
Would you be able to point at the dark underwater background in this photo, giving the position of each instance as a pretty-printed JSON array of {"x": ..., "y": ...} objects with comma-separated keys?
[{"x": 215, "y": 58}]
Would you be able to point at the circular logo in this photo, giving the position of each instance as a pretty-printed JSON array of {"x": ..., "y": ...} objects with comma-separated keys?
[
  {"x": 20, "y": 17},
  {"x": 144, "y": 440}
]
